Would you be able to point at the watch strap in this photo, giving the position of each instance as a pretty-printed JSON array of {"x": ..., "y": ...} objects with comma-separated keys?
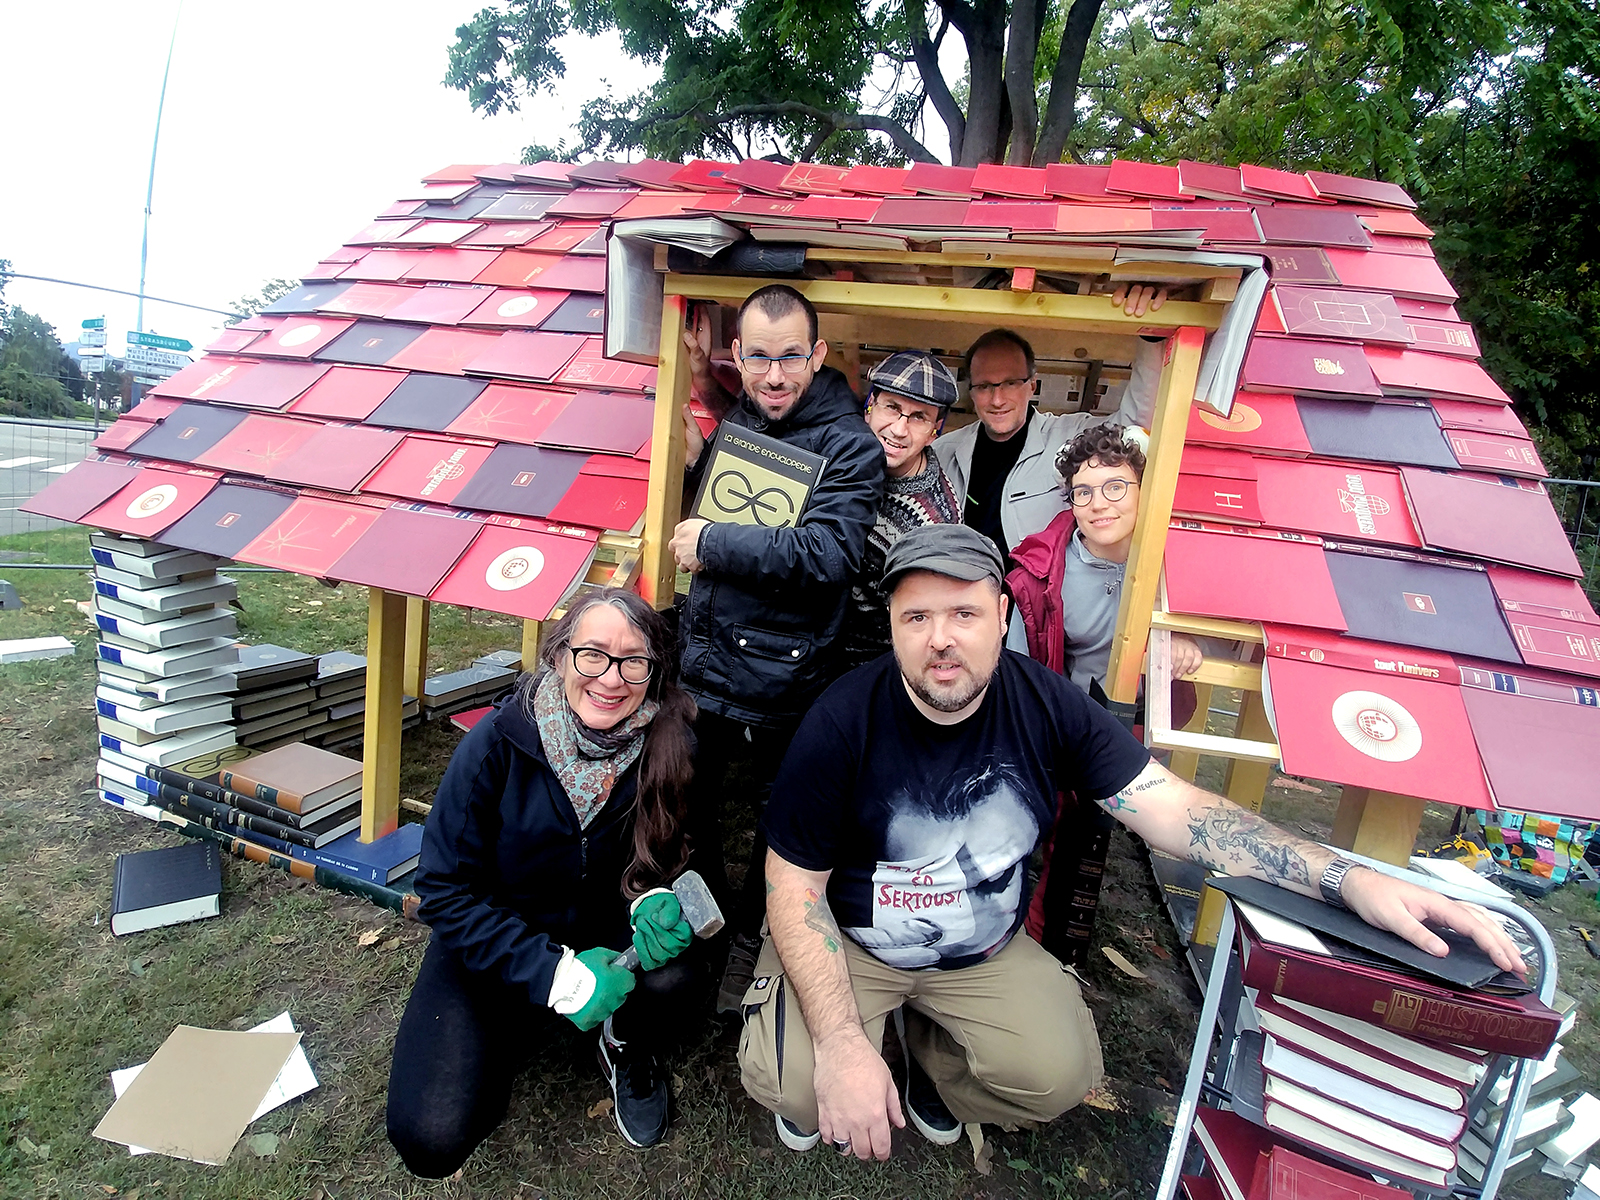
[{"x": 1332, "y": 881}]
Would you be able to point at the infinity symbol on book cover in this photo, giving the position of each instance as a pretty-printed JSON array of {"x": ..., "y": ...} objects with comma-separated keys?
[{"x": 733, "y": 493}]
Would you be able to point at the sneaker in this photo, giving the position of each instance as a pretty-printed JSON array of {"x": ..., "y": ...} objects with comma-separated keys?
[
  {"x": 638, "y": 1090},
  {"x": 737, "y": 976},
  {"x": 924, "y": 1106},
  {"x": 793, "y": 1137}
]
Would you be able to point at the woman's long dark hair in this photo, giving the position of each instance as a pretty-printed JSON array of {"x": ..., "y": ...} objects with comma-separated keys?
[{"x": 660, "y": 846}]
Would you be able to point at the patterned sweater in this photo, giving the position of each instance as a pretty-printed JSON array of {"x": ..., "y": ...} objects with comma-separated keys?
[{"x": 925, "y": 498}]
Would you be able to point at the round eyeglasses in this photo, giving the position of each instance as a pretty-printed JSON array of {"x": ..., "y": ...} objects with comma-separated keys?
[
  {"x": 593, "y": 663},
  {"x": 916, "y": 422},
  {"x": 1112, "y": 490}
]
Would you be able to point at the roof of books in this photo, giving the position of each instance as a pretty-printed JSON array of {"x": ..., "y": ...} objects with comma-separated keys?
[{"x": 432, "y": 413}]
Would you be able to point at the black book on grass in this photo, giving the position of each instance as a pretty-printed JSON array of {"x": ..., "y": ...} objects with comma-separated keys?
[{"x": 169, "y": 886}]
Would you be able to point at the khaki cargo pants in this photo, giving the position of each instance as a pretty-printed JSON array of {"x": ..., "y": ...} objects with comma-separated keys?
[{"x": 1006, "y": 1040}]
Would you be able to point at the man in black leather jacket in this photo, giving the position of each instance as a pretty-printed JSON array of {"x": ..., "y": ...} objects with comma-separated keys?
[{"x": 765, "y": 604}]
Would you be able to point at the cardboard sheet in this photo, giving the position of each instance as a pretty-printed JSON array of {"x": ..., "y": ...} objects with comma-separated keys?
[
  {"x": 198, "y": 1092},
  {"x": 1424, "y": 604},
  {"x": 1490, "y": 518}
]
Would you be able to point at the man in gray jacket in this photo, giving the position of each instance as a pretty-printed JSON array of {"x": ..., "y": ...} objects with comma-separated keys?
[{"x": 1002, "y": 466}]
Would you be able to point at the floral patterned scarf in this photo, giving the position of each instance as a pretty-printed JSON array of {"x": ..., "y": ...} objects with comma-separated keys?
[{"x": 587, "y": 761}]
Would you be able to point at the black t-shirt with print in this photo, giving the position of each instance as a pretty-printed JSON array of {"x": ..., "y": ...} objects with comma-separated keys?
[{"x": 927, "y": 828}]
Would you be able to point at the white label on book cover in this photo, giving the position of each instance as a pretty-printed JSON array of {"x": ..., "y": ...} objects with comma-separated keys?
[
  {"x": 149, "y": 503},
  {"x": 1378, "y": 726},
  {"x": 514, "y": 568}
]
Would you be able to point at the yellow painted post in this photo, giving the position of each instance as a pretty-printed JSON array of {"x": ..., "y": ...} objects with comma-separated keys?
[
  {"x": 1185, "y": 763},
  {"x": 380, "y": 757},
  {"x": 1246, "y": 785},
  {"x": 664, "y": 501},
  {"x": 532, "y": 632},
  {"x": 1378, "y": 824},
  {"x": 1174, "y": 395},
  {"x": 418, "y": 612}
]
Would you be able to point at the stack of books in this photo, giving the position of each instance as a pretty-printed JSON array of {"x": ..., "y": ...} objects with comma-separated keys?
[
  {"x": 484, "y": 682},
  {"x": 166, "y": 653},
  {"x": 341, "y": 692},
  {"x": 274, "y": 690},
  {"x": 1364, "y": 1049}
]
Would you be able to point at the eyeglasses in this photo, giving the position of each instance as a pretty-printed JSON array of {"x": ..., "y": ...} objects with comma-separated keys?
[
  {"x": 916, "y": 422},
  {"x": 593, "y": 663},
  {"x": 1009, "y": 388},
  {"x": 1112, "y": 489},
  {"x": 761, "y": 364}
]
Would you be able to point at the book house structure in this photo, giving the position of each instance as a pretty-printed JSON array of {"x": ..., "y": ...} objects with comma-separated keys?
[{"x": 476, "y": 400}]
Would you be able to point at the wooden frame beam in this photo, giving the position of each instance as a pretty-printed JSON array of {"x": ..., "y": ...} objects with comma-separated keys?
[
  {"x": 418, "y": 613},
  {"x": 968, "y": 306},
  {"x": 1062, "y": 259},
  {"x": 380, "y": 750},
  {"x": 1381, "y": 825},
  {"x": 664, "y": 501}
]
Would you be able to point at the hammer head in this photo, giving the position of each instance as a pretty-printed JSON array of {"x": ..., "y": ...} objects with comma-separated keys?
[{"x": 698, "y": 905}]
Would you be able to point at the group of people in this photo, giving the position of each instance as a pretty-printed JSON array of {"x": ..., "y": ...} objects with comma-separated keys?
[{"x": 913, "y": 715}]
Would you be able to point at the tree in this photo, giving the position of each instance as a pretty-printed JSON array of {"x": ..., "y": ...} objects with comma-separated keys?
[
  {"x": 827, "y": 80},
  {"x": 31, "y": 368},
  {"x": 271, "y": 291}
]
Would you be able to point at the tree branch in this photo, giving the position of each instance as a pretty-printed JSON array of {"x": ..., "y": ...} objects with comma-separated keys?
[
  {"x": 897, "y": 133},
  {"x": 926, "y": 55},
  {"x": 1061, "y": 113},
  {"x": 1022, "y": 47}
]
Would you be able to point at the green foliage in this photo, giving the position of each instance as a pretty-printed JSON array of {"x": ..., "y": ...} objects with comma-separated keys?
[
  {"x": 248, "y": 306},
  {"x": 34, "y": 372}
]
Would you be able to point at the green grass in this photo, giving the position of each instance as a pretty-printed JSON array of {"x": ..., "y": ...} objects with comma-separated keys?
[{"x": 76, "y": 1003}]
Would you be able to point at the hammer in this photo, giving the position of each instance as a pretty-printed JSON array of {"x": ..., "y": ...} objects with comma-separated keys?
[{"x": 699, "y": 909}]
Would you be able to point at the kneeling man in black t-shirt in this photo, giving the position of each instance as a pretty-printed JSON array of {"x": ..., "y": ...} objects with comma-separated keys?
[{"x": 900, "y": 828}]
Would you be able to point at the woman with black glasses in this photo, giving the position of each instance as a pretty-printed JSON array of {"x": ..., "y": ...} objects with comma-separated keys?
[{"x": 556, "y": 825}]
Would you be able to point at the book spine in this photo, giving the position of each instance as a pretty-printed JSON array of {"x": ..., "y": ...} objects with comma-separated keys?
[
  {"x": 246, "y": 786},
  {"x": 1457, "y": 1019},
  {"x": 328, "y": 862},
  {"x": 220, "y": 795},
  {"x": 226, "y": 816}
]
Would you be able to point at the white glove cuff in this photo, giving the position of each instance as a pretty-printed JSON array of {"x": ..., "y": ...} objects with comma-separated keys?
[
  {"x": 634, "y": 907},
  {"x": 572, "y": 986}
]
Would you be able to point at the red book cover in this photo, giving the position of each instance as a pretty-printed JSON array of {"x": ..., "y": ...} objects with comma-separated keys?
[
  {"x": 519, "y": 206},
  {"x": 200, "y": 380},
  {"x": 1301, "y": 365},
  {"x": 310, "y": 536},
  {"x": 1144, "y": 179},
  {"x": 517, "y": 268},
  {"x": 1556, "y": 644},
  {"x": 258, "y": 444},
  {"x": 654, "y": 204},
  {"x": 603, "y": 502},
  {"x": 122, "y": 434},
  {"x": 505, "y": 412},
  {"x": 1022, "y": 216},
  {"x": 187, "y": 432},
  {"x": 232, "y": 340},
  {"x": 838, "y": 208},
  {"x": 758, "y": 175},
  {"x": 1470, "y": 414},
  {"x": 1396, "y": 733},
  {"x": 1217, "y": 224},
  {"x": 1394, "y": 222},
  {"x": 1443, "y": 337},
  {"x": 816, "y": 179},
  {"x": 1280, "y": 185},
  {"x": 1339, "y": 313},
  {"x": 1432, "y": 310},
  {"x": 1537, "y": 594},
  {"x": 591, "y": 202},
  {"x": 573, "y": 274},
  {"x": 455, "y": 264},
  {"x": 523, "y": 481},
  {"x": 87, "y": 486},
  {"x": 876, "y": 181},
  {"x": 1539, "y": 756},
  {"x": 1397, "y": 274},
  {"x": 152, "y": 501},
  {"x": 367, "y": 299},
  {"x": 428, "y": 469},
  {"x": 1415, "y": 247},
  {"x": 406, "y": 551},
  {"x": 1352, "y": 500},
  {"x": 230, "y": 516},
  {"x": 1210, "y": 181},
  {"x": 601, "y": 421},
  {"x": 1289, "y": 580},
  {"x": 615, "y": 466},
  {"x": 545, "y": 174},
  {"x": 702, "y": 175},
  {"x": 385, "y": 266},
  {"x": 1498, "y": 453},
  {"x": 1304, "y": 265},
  {"x": 337, "y": 457},
  {"x": 934, "y": 179},
  {"x": 1285, "y": 226},
  {"x": 1524, "y": 530},
  {"x": 1127, "y": 218},
  {"x": 1359, "y": 191},
  {"x": 591, "y": 368},
  {"x": 649, "y": 172},
  {"x": 440, "y": 303},
  {"x": 523, "y": 355},
  {"x": 347, "y": 393},
  {"x": 1080, "y": 181},
  {"x": 1027, "y": 183},
  {"x": 381, "y": 233},
  {"x": 371, "y": 342},
  {"x": 270, "y": 385},
  {"x": 524, "y": 571},
  {"x": 1216, "y": 498},
  {"x": 445, "y": 351},
  {"x": 564, "y": 238},
  {"x": 1517, "y": 1025},
  {"x": 921, "y": 214},
  {"x": 1412, "y": 372},
  {"x": 437, "y": 233},
  {"x": 1258, "y": 421},
  {"x": 515, "y": 308},
  {"x": 1232, "y": 1147},
  {"x": 1292, "y": 1176},
  {"x": 153, "y": 408},
  {"x": 1357, "y": 654}
]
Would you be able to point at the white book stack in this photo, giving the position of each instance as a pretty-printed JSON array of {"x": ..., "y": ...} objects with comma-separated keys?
[{"x": 166, "y": 657}]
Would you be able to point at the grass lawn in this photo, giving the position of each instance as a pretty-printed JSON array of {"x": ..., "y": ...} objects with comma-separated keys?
[{"x": 76, "y": 1003}]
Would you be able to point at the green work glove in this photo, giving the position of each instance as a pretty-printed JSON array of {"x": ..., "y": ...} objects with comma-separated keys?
[
  {"x": 611, "y": 987},
  {"x": 660, "y": 932}
]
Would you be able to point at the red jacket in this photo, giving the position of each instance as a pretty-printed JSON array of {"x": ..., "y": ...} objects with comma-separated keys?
[{"x": 1035, "y": 583}]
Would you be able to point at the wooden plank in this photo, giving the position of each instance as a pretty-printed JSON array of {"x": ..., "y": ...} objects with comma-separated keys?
[
  {"x": 1023, "y": 279},
  {"x": 1223, "y": 747},
  {"x": 1060, "y": 259},
  {"x": 664, "y": 500},
  {"x": 1245, "y": 783},
  {"x": 1381, "y": 825},
  {"x": 1174, "y": 395},
  {"x": 972, "y": 306},
  {"x": 532, "y": 634},
  {"x": 1224, "y": 672},
  {"x": 380, "y": 755},
  {"x": 1185, "y": 763},
  {"x": 1220, "y": 289},
  {"x": 1217, "y": 627},
  {"x": 418, "y": 613}
]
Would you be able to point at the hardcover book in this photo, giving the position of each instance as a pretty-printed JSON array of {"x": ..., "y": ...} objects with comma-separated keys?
[
  {"x": 752, "y": 479},
  {"x": 299, "y": 778},
  {"x": 168, "y": 886},
  {"x": 380, "y": 861}
]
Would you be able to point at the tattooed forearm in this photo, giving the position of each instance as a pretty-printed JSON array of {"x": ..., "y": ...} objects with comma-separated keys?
[
  {"x": 1122, "y": 802},
  {"x": 1231, "y": 837},
  {"x": 819, "y": 919}
]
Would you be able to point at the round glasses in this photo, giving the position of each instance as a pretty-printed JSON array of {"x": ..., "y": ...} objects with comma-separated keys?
[
  {"x": 915, "y": 421},
  {"x": 1112, "y": 489},
  {"x": 593, "y": 663},
  {"x": 761, "y": 364}
]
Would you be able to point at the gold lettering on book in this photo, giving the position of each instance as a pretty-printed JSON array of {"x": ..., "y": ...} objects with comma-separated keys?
[
  {"x": 1403, "y": 1010},
  {"x": 1327, "y": 366}
]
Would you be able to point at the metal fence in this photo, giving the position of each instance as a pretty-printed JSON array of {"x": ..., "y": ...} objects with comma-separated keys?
[
  {"x": 1577, "y": 503},
  {"x": 32, "y": 454}
]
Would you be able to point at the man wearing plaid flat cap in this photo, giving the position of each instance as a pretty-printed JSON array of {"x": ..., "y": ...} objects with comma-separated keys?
[{"x": 911, "y": 391}]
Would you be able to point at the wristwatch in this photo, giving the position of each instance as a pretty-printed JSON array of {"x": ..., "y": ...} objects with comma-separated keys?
[{"x": 1333, "y": 880}]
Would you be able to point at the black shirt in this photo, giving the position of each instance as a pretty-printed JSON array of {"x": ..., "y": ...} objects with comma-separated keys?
[
  {"x": 927, "y": 828},
  {"x": 986, "y": 481}
]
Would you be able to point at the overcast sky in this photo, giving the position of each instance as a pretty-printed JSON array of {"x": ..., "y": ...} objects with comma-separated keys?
[{"x": 287, "y": 127}]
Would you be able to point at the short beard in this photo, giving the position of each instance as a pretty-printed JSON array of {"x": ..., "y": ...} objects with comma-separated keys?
[{"x": 947, "y": 703}]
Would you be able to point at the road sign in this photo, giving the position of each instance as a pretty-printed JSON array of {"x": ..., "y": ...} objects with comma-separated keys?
[
  {"x": 145, "y": 356},
  {"x": 95, "y": 323},
  {"x": 155, "y": 339},
  {"x": 92, "y": 337}
]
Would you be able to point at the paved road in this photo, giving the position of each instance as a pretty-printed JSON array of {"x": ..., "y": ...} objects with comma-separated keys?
[{"x": 30, "y": 457}]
